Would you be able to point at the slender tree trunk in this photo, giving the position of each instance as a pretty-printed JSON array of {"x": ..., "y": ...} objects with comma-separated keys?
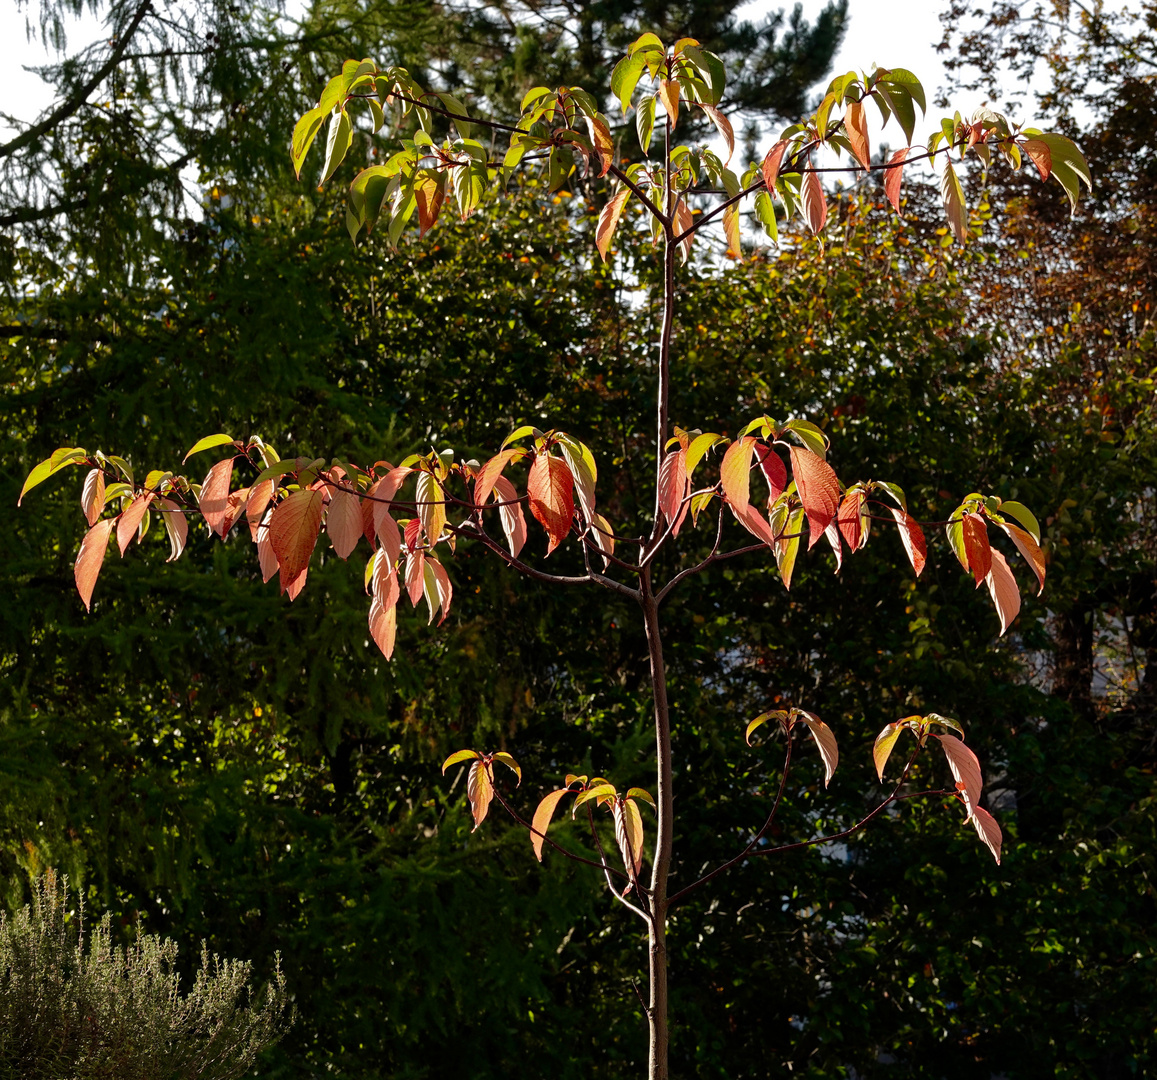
[{"x": 657, "y": 933}]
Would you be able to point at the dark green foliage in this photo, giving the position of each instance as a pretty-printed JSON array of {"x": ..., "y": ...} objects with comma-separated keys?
[{"x": 75, "y": 1006}]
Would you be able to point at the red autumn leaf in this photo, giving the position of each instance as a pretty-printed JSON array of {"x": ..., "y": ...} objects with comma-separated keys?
[
  {"x": 856, "y": 129},
  {"x": 756, "y": 524},
  {"x": 976, "y": 546},
  {"x": 893, "y": 176},
  {"x": 369, "y": 507},
  {"x": 255, "y": 505},
  {"x": 988, "y": 830},
  {"x": 609, "y": 221},
  {"x": 390, "y": 537},
  {"x": 175, "y": 525},
  {"x": 92, "y": 496},
  {"x": 412, "y": 534},
  {"x": 735, "y": 474},
  {"x": 772, "y": 163},
  {"x": 266, "y": 558},
  {"x": 479, "y": 789},
  {"x": 234, "y": 506},
  {"x": 674, "y": 487},
  {"x": 1030, "y": 549},
  {"x": 383, "y": 627},
  {"x": 965, "y": 769},
  {"x": 343, "y": 522},
  {"x": 130, "y": 520},
  {"x": 773, "y": 469},
  {"x": 851, "y": 519},
  {"x": 293, "y": 588},
  {"x": 511, "y": 516},
  {"x": 819, "y": 490},
  {"x": 429, "y": 194},
  {"x": 489, "y": 473},
  {"x": 415, "y": 576},
  {"x": 541, "y": 820},
  {"x": 1042, "y": 157},
  {"x": 1002, "y": 588},
  {"x": 550, "y": 488},
  {"x": 815, "y": 206},
  {"x": 89, "y": 559},
  {"x": 293, "y": 530},
  {"x": 384, "y": 584},
  {"x": 912, "y": 537},
  {"x": 215, "y": 495}
]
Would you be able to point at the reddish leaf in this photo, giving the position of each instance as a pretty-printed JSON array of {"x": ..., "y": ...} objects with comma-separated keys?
[
  {"x": 175, "y": 525},
  {"x": 92, "y": 496},
  {"x": 669, "y": 99},
  {"x": 815, "y": 207},
  {"x": 851, "y": 519},
  {"x": 541, "y": 820},
  {"x": 1002, "y": 588},
  {"x": 413, "y": 534},
  {"x": 130, "y": 520},
  {"x": 819, "y": 490},
  {"x": 550, "y": 489},
  {"x": 511, "y": 516},
  {"x": 234, "y": 505},
  {"x": 732, "y": 231},
  {"x": 976, "y": 546},
  {"x": 489, "y": 473},
  {"x": 826, "y": 741},
  {"x": 723, "y": 126},
  {"x": 443, "y": 590},
  {"x": 215, "y": 495},
  {"x": 1030, "y": 549},
  {"x": 965, "y": 769},
  {"x": 756, "y": 524},
  {"x": 683, "y": 222},
  {"x": 479, "y": 789},
  {"x": 266, "y": 558},
  {"x": 735, "y": 474},
  {"x": 293, "y": 588},
  {"x": 772, "y": 163},
  {"x": 390, "y": 537},
  {"x": 773, "y": 469},
  {"x": 1042, "y": 157},
  {"x": 988, "y": 830},
  {"x": 415, "y": 576},
  {"x": 629, "y": 834},
  {"x": 255, "y": 505},
  {"x": 912, "y": 537},
  {"x": 893, "y": 176},
  {"x": 384, "y": 583},
  {"x": 674, "y": 487},
  {"x": 369, "y": 506},
  {"x": 343, "y": 522},
  {"x": 383, "y": 627},
  {"x": 609, "y": 222},
  {"x": 856, "y": 129},
  {"x": 89, "y": 559},
  {"x": 293, "y": 530}
]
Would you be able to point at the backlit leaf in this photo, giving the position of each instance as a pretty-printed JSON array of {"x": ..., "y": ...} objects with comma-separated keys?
[
  {"x": 609, "y": 221},
  {"x": 852, "y": 522},
  {"x": 669, "y": 99},
  {"x": 293, "y": 530},
  {"x": 550, "y": 490},
  {"x": 778, "y": 715},
  {"x": 882, "y": 748},
  {"x": 343, "y": 522},
  {"x": 723, "y": 126},
  {"x": 640, "y": 793},
  {"x": 629, "y": 834},
  {"x": 415, "y": 576},
  {"x": 965, "y": 769},
  {"x": 57, "y": 460},
  {"x": 338, "y": 144},
  {"x": 1024, "y": 515},
  {"x": 130, "y": 521},
  {"x": 953, "y": 195},
  {"x": 1038, "y": 153},
  {"x": 90, "y": 557},
  {"x": 974, "y": 530},
  {"x": 214, "y": 500},
  {"x": 826, "y": 741},
  {"x": 1003, "y": 590},
  {"x": 176, "y": 527},
  {"x": 732, "y": 232},
  {"x": 541, "y": 820},
  {"x": 457, "y": 756},
  {"x": 604, "y": 537},
  {"x": 511, "y": 516},
  {"x": 674, "y": 487},
  {"x": 856, "y": 129},
  {"x": 304, "y": 132},
  {"x": 390, "y": 537},
  {"x": 912, "y": 537},
  {"x": 1068, "y": 166},
  {"x": 682, "y": 226},
  {"x": 430, "y": 503},
  {"x": 92, "y": 496},
  {"x": 207, "y": 443},
  {"x": 772, "y": 163},
  {"x": 383, "y": 625},
  {"x": 735, "y": 474},
  {"x": 479, "y": 790},
  {"x": 815, "y": 207},
  {"x": 266, "y": 558},
  {"x": 893, "y": 176},
  {"x": 819, "y": 490},
  {"x": 988, "y": 831},
  {"x": 787, "y": 546},
  {"x": 595, "y": 791},
  {"x": 510, "y": 763},
  {"x": 256, "y": 503},
  {"x": 583, "y": 470},
  {"x": 443, "y": 590},
  {"x": 1029, "y": 548},
  {"x": 756, "y": 524},
  {"x": 773, "y": 469}
]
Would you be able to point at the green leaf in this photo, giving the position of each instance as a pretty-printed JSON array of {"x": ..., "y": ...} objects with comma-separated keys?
[
  {"x": 519, "y": 433},
  {"x": 207, "y": 443},
  {"x": 457, "y": 756},
  {"x": 341, "y": 137},
  {"x": 645, "y": 121},
  {"x": 452, "y": 104},
  {"x": 625, "y": 78},
  {"x": 895, "y": 491},
  {"x": 639, "y": 793},
  {"x": 943, "y": 721},
  {"x": 711, "y": 71},
  {"x": 1022, "y": 514},
  {"x": 57, "y": 460},
  {"x": 599, "y": 791},
  {"x": 304, "y": 132},
  {"x": 765, "y": 214},
  {"x": 810, "y": 435},
  {"x": 699, "y": 446},
  {"x": 645, "y": 41}
]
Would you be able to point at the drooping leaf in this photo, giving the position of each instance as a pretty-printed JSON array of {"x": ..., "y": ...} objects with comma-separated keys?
[
  {"x": 682, "y": 227},
  {"x": 266, "y": 558},
  {"x": 832, "y": 536},
  {"x": 893, "y": 177},
  {"x": 550, "y": 491},
  {"x": 430, "y": 194},
  {"x": 510, "y": 763},
  {"x": 852, "y": 520},
  {"x": 1003, "y": 590},
  {"x": 819, "y": 490},
  {"x": 669, "y": 99},
  {"x": 90, "y": 557},
  {"x": 674, "y": 487},
  {"x": 597, "y": 790},
  {"x": 293, "y": 531},
  {"x": 511, "y": 516},
  {"x": 856, "y": 129},
  {"x": 771, "y": 165},
  {"x": 735, "y": 474},
  {"x": 826, "y": 741},
  {"x": 882, "y": 748},
  {"x": 773, "y": 469},
  {"x": 988, "y": 831},
  {"x": 304, "y": 132},
  {"x": 57, "y": 460},
  {"x": 953, "y": 195},
  {"x": 722, "y": 125},
  {"x": 609, "y": 222},
  {"x": 338, "y": 144},
  {"x": 343, "y": 522},
  {"x": 965, "y": 769},
  {"x": 541, "y": 820},
  {"x": 176, "y": 527},
  {"x": 1039, "y": 155},
  {"x": 92, "y": 496},
  {"x": 457, "y": 756},
  {"x": 974, "y": 531},
  {"x": 443, "y": 590},
  {"x": 415, "y": 575},
  {"x": 130, "y": 520},
  {"x": 815, "y": 206},
  {"x": 787, "y": 546},
  {"x": 629, "y": 834},
  {"x": 583, "y": 470},
  {"x": 479, "y": 790},
  {"x": 778, "y": 715},
  {"x": 430, "y": 502},
  {"x": 604, "y": 537},
  {"x": 255, "y": 505},
  {"x": 215, "y": 495},
  {"x": 390, "y": 537},
  {"x": 1068, "y": 166},
  {"x": 1024, "y": 515},
  {"x": 1029, "y": 548},
  {"x": 756, "y": 524},
  {"x": 383, "y": 625},
  {"x": 732, "y": 232},
  {"x": 912, "y": 537}
]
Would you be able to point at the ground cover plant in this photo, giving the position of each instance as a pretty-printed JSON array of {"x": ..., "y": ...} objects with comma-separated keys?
[{"x": 772, "y": 480}]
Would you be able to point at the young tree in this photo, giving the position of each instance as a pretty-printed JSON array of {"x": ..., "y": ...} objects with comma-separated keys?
[{"x": 412, "y": 513}]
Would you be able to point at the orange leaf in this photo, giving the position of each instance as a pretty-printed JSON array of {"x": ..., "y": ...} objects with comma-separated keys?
[
  {"x": 731, "y": 229},
  {"x": 215, "y": 495},
  {"x": 735, "y": 474},
  {"x": 442, "y": 587},
  {"x": 415, "y": 576},
  {"x": 976, "y": 546},
  {"x": 856, "y": 129},
  {"x": 293, "y": 589},
  {"x": 772, "y": 163},
  {"x": 384, "y": 584},
  {"x": 1002, "y": 588},
  {"x": 756, "y": 524},
  {"x": 266, "y": 558},
  {"x": 550, "y": 488},
  {"x": 343, "y": 522},
  {"x": 130, "y": 520},
  {"x": 383, "y": 626},
  {"x": 259, "y": 496},
  {"x": 674, "y": 486},
  {"x": 89, "y": 559},
  {"x": 479, "y": 789},
  {"x": 773, "y": 469},
  {"x": 819, "y": 490},
  {"x": 293, "y": 530},
  {"x": 893, "y": 176},
  {"x": 541, "y": 820},
  {"x": 1042, "y": 158},
  {"x": 489, "y": 474},
  {"x": 815, "y": 207},
  {"x": 723, "y": 126},
  {"x": 683, "y": 222},
  {"x": 1030, "y": 549},
  {"x": 92, "y": 496},
  {"x": 669, "y": 99},
  {"x": 965, "y": 769},
  {"x": 390, "y": 537},
  {"x": 429, "y": 194},
  {"x": 511, "y": 516},
  {"x": 988, "y": 830},
  {"x": 912, "y": 537},
  {"x": 609, "y": 221}
]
